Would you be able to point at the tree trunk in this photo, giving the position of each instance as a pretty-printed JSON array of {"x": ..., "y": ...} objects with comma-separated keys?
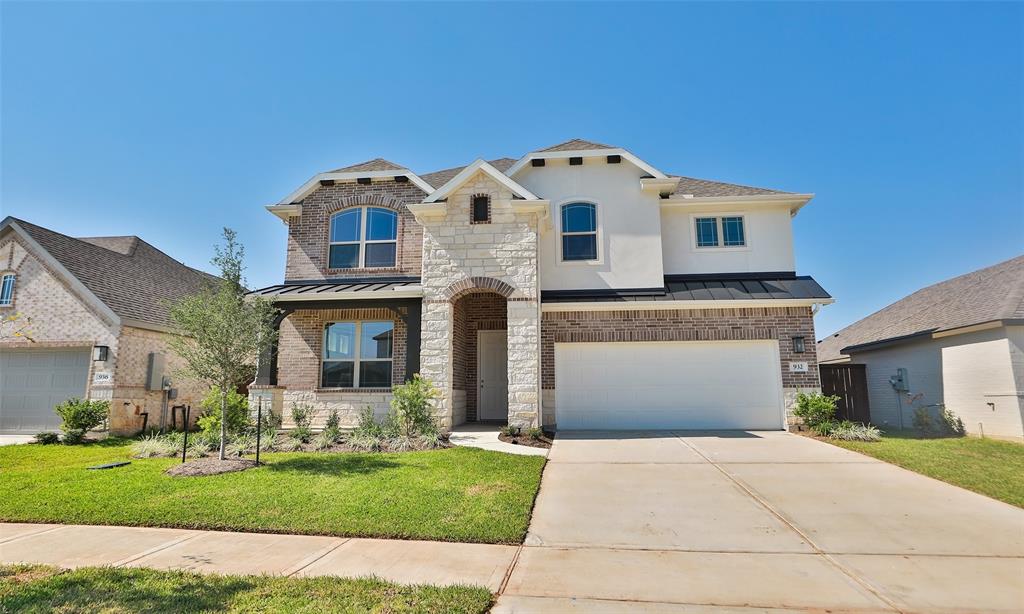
[{"x": 223, "y": 421}]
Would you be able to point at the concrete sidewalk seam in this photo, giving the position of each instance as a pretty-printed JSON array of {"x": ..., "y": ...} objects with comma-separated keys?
[
  {"x": 155, "y": 549},
  {"x": 511, "y": 568},
  {"x": 11, "y": 540},
  {"x": 842, "y": 568},
  {"x": 303, "y": 564}
]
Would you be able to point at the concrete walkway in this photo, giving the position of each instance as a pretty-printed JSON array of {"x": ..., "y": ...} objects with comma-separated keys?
[
  {"x": 671, "y": 522},
  {"x": 485, "y": 436}
]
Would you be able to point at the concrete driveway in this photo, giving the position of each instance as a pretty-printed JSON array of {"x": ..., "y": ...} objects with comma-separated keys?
[{"x": 667, "y": 522}]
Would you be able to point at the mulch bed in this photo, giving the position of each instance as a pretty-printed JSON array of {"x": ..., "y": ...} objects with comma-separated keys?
[
  {"x": 210, "y": 466},
  {"x": 525, "y": 440}
]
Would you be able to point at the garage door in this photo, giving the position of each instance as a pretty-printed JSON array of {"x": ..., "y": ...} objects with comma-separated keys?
[
  {"x": 32, "y": 382},
  {"x": 669, "y": 385}
]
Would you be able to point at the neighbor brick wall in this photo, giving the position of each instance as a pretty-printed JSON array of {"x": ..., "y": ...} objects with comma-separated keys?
[
  {"x": 309, "y": 234},
  {"x": 781, "y": 323}
]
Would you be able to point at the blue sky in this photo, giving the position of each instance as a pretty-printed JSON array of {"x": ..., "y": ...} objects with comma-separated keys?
[{"x": 172, "y": 120}]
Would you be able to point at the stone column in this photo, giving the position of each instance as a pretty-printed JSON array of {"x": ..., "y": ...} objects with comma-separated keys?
[
  {"x": 523, "y": 363},
  {"x": 436, "y": 355}
]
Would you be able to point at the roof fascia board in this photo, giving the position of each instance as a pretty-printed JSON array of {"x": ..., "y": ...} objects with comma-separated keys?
[
  {"x": 404, "y": 292},
  {"x": 307, "y": 188},
  {"x": 680, "y": 305},
  {"x": 285, "y": 212},
  {"x": 465, "y": 174},
  {"x": 59, "y": 268},
  {"x": 963, "y": 330},
  {"x": 585, "y": 153},
  {"x": 883, "y": 343},
  {"x": 659, "y": 186},
  {"x": 794, "y": 201}
]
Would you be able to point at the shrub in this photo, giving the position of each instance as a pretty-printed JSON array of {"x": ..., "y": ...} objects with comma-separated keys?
[
  {"x": 240, "y": 445},
  {"x": 333, "y": 421},
  {"x": 535, "y": 433},
  {"x": 301, "y": 434},
  {"x": 323, "y": 440},
  {"x": 289, "y": 445},
  {"x": 200, "y": 445},
  {"x": 46, "y": 438},
  {"x": 412, "y": 407},
  {"x": 368, "y": 425},
  {"x": 433, "y": 441},
  {"x": 952, "y": 423},
  {"x": 945, "y": 424},
  {"x": 302, "y": 415},
  {"x": 238, "y": 413},
  {"x": 80, "y": 415},
  {"x": 851, "y": 431},
  {"x": 155, "y": 445},
  {"x": 365, "y": 442},
  {"x": 816, "y": 409},
  {"x": 268, "y": 439},
  {"x": 509, "y": 431}
]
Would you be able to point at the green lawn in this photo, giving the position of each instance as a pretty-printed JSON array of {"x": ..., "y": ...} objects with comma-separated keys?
[
  {"x": 987, "y": 466},
  {"x": 25, "y": 588},
  {"x": 458, "y": 494}
]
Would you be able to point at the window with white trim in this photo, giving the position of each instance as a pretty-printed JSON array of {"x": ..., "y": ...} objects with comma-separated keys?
[
  {"x": 7, "y": 290},
  {"x": 579, "y": 232},
  {"x": 725, "y": 231},
  {"x": 357, "y": 355},
  {"x": 363, "y": 237}
]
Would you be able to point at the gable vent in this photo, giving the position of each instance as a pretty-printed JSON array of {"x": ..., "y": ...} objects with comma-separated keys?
[
  {"x": 364, "y": 180},
  {"x": 575, "y": 161},
  {"x": 614, "y": 159},
  {"x": 401, "y": 179},
  {"x": 326, "y": 182},
  {"x": 537, "y": 162}
]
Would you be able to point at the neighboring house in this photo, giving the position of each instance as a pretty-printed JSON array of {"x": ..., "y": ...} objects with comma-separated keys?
[
  {"x": 577, "y": 286},
  {"x": 958, "y": 344},
  {"x": 98, "y": 310}
]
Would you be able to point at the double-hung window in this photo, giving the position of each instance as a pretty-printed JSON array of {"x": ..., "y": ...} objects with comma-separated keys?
[
  {"x": 725, "y": 231},
  {"x": 7, "y": 290},
  {"x": 357, "y": 355},
  {"x": 579, "y": 231},
  {"x": 363, "y": 237}
]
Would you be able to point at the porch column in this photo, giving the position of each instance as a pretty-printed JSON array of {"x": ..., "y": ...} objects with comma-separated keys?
[
  {"x": 523, "y": 363},
  {"x": 436, "y": 355}
]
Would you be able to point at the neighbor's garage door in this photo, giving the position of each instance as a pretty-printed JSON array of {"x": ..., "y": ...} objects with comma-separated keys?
[
  {"x": 668, "y": 385},
  {"x": 32, "y": 382}
]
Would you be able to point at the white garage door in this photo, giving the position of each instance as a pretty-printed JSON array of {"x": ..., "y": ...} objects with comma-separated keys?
[
  {"x": 669, "y": 385},
  {"x": 32, "y": 382}
]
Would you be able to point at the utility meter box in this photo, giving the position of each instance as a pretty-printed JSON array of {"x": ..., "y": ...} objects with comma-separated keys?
[
  {"x": 155, "y": 371},
  {"x": 899, "y": 381}
]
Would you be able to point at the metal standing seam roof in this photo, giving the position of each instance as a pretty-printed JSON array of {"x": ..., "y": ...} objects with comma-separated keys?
[
  {"x": 681, "y": 288},
  {"x": 312, "y": 289}
]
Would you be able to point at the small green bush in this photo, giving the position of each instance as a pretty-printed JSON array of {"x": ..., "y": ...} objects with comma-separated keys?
[
  {"x": 323, "y": 441},
  {"x": 238, "y": 413},
  {"x": 301, "y": 434},
  {"x": 46, "y": 438},
  {"x": 817, "y": 410},
  {"x": 155, "y": 445},
  {"x": 509, "y": 430},
  {"x": 333, "y": 421},
  {"x": 368, "y": 425},
  {"x": 79, "y": 416},
  {"x": 945, "y": 424},
  {"x": 535, "y": 433},
  {"x": 852, "y": 431},
  {"x": 240, "y": 445},
  {"x": 412, "y": 405},
  {"x": 201, "y": 445},
  {"x": 365, "y": 442}
]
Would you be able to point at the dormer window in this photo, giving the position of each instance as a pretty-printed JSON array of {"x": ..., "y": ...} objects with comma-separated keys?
[
  {"x": 725, "y": 231},
  {"x": 579, "y": 232},
  {"x": 481, "y": 213},
  {"x": 363, "y": 237},
  {"x": 7, "y": 290}
]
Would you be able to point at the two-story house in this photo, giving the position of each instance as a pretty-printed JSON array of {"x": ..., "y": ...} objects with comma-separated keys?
[{"x": 577, "y": 286}]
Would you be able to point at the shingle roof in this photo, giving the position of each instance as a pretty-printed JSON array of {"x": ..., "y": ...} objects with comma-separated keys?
[
  {"x": 377, "y": 164},
  {"x": 735, "y": 287},
  {"x": 706, "y": 187},
  {"x": 439, "y": 178},
  {"x": 576, "y": 145},
  {"x": 133, "y": 278},
  {"x": 986, "y": 295}
]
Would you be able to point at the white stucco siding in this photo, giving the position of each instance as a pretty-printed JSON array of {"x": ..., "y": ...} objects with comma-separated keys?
[
  {"x": 629, "y": 225},
  {"x": 769, "y": 238},
  {"x": 963, "y": 372}
]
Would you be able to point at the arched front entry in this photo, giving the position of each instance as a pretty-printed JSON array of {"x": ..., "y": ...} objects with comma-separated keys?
[{"x": 480, "y": 356}]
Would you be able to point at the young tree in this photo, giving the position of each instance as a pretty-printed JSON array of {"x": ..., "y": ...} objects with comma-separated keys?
[{"x": 223, "y": 331}]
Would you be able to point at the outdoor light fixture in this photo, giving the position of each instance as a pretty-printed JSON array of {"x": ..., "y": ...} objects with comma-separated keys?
[
  {"x": 100, "y": 353},
  {"x": 798, "y": 345}
]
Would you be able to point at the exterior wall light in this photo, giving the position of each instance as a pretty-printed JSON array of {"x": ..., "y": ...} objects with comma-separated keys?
[
  {"x": 100, "y": 353},
  {"x": 798, "y": 345}
]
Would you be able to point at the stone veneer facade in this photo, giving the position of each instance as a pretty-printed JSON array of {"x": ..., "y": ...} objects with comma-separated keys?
[{"x": 755, "y": 323}]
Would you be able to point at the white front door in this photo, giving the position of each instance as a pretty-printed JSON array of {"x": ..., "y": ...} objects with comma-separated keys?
[
  {"x": 492, "y": 375},
  {"x": 669, "y": 385}
]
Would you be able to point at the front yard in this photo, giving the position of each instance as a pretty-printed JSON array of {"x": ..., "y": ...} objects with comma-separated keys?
[
  {"x": 457, "y": 494},
  {"x": 987, "y": 466},
  {"x": 25, "y": 588}
]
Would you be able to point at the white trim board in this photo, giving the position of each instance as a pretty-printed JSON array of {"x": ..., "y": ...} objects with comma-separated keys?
[
  {"x": 465, "y": 174},
  {"x": 681, "y": 305}
]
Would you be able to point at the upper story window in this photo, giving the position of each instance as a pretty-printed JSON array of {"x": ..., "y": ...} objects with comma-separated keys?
[
  {"x": 7, "y": 290},
  {"x": 357, "y": 355},
  {"x": 579, "y": 231},
  {"x": 481, "y": 213},
  {"x": 363, "y": 237},
  {"x": 725, "y": 231}
]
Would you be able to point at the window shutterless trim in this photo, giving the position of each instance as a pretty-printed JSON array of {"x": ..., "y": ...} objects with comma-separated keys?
[
  {"x": 7, "y": 289},
  {"x": 356, "y": 360},
  {"x": 362, "y": 241},
  {"x": 720, "y": 230},
  {"x": 562, "y": 233}
]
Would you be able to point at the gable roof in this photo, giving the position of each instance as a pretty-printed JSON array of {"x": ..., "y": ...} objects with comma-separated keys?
[
  {"x": 377, "y": 164},
  {"x": 129, "y": 276},
  {"x": 986, "y": 295},
  {"x": 466, "y": 173},
  {"x": 439, "y": 178},
  {"x": 576, "y": 145}
]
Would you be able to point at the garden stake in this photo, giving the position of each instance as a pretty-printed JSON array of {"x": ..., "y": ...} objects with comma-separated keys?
[
  {"x": 259, "y": 427},
  {"x": 184, "y": 444}
]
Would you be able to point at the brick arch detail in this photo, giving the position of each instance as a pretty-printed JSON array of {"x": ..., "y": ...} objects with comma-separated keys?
[
  {"x": 472, "y": 284},
  {"x": 366, "y": 200}
]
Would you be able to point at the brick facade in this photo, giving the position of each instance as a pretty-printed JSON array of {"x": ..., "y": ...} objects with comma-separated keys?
[
  {"x": 309, "y": 234},
  {"x": 472, "y": 313}
]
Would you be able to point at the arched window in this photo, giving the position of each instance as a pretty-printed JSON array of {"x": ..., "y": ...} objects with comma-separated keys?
[
  {"x": 579, "y": 231},
  {"x": 363, "y": 237}
]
